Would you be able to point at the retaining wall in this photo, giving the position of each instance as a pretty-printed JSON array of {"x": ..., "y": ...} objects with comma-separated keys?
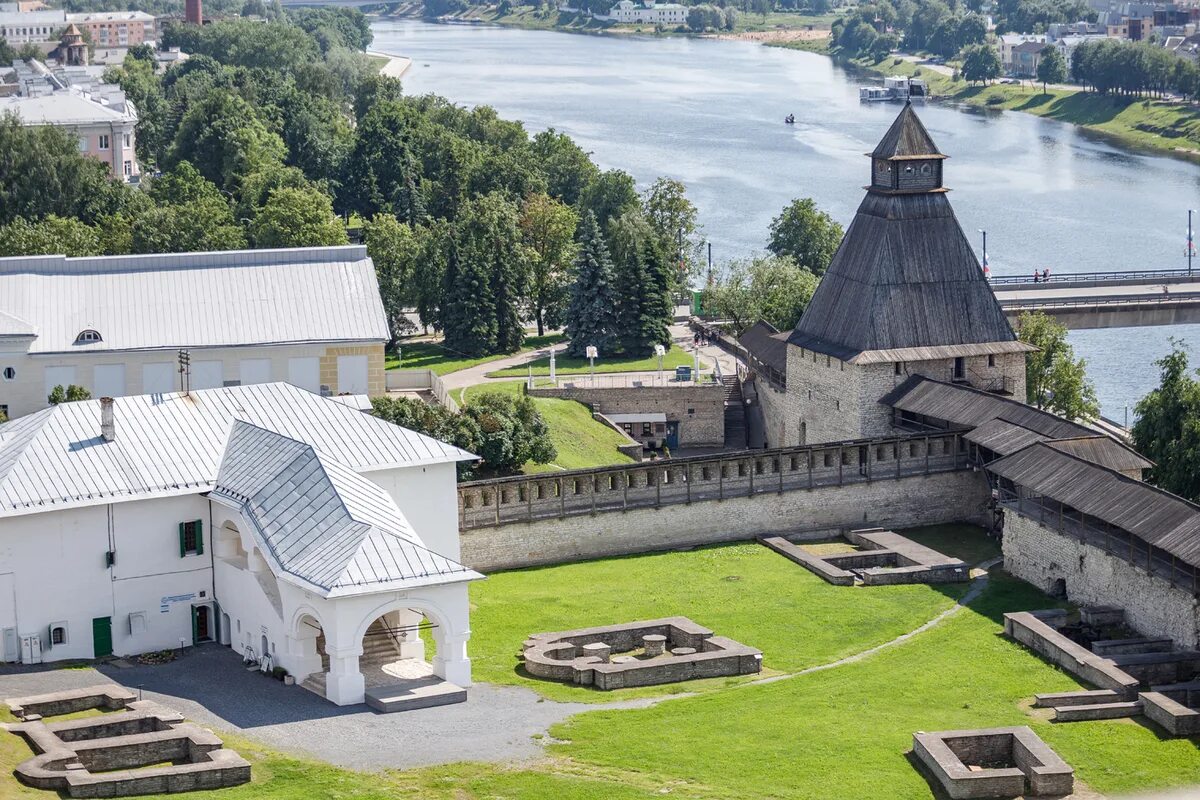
[
  {"x": 698, "y": 408},
  {"x": 1153, "y": 606}
]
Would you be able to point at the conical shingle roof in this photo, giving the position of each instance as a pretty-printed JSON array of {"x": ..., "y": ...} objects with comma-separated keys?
[{"x": 907, "y": 138}]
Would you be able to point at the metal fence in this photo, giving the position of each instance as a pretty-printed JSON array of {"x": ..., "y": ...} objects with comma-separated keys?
[
  {"x": 503, "y": 501},
  {"x": 1122, "y": 276}
]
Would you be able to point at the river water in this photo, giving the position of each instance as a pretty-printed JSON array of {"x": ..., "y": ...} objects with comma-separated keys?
[{"x": 710, "y": 113}]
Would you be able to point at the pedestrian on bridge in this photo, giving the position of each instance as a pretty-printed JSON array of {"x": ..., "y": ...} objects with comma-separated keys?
[{"x": 1037, "y": 276}]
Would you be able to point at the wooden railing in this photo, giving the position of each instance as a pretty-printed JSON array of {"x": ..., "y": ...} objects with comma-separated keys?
[{"x": 525, "y": 498}]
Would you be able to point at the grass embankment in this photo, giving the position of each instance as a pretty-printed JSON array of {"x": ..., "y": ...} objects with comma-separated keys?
[
  {"x": 437, "y": 357},
  {"x": 840, "y": 732},
  {"x": 1143, "y": 124},
  {"x": 579, "y": 440},
  {"x": 566, "y": 365}
]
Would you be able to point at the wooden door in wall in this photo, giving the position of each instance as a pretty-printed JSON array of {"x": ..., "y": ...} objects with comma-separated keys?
[
  {"x": 201, "y": 625},
  {"x": 102, "y": 637}
]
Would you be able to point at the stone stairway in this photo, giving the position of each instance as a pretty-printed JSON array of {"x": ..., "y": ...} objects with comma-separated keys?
[{"x": 735, "y": 414}]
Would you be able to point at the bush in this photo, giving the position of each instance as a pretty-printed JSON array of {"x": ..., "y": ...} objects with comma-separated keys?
[{"x": 279, "y": 673}]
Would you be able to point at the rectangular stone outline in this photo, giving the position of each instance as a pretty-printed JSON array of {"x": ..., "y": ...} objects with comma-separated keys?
[{"x": 1038, "y": 771}]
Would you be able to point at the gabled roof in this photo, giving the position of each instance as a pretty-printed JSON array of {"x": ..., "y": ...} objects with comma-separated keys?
[
  {"x": 903, "y": 277},
  {"x": 767, "y": 345},
  {"x": 1156, "y": 516},
  {"x": 15, "y": 326},
  {"x": 172, "y": 444},
  {"x": 324, "y": 527},
  {"x": 185, "y": 300},
  {"x": 907, "y": 138}
]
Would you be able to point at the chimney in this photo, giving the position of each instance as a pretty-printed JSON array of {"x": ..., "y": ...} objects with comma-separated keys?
[{"x": 108, "y": 427}]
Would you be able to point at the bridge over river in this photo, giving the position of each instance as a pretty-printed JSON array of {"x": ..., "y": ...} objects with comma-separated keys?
[{"x": 1106, "y": 299}]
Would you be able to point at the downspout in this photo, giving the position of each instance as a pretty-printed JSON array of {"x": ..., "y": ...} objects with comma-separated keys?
[{"x": 212, "y": 561}]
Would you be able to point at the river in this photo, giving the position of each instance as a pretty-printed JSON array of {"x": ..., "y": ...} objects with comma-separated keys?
[{"x": 710, "y": 113}]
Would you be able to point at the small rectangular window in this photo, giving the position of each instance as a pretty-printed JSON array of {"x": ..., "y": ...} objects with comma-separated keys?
[
  {"x": 103, "y": 141},
  {"x": 828, "y": 459},
  {"x": 991, "y": 361},
  {"x": 647, "y": 429},
  {"x": 191, "y": 538},
  {"x": 898, "y": 368}
]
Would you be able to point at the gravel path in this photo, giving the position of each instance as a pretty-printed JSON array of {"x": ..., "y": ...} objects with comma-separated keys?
[{"x": 210, "y": 686}]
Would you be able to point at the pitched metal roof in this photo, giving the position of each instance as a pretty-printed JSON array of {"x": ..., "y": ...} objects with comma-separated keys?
[
  {"x": 907, "y": 138},
  {"x": 172, "y": 444},
  {"x": 1153, "y": 515},
  {"x": 189, "y": 300},
  {"x": 1002, "y": 436},
  {"x": 324, "y": 527},
  {"x": 903, "y": 277},
  {"x": 767, "y": 344}
]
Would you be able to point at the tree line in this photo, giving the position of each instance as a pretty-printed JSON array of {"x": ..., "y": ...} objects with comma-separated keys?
[{"x": 1133, "y": 69}]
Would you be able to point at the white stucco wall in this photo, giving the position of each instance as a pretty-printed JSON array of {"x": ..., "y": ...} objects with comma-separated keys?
[{"x": 428, "y": 496}]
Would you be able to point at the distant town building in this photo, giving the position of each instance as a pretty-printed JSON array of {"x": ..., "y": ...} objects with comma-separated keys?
[
  {"x": 1058, "y": 30},
  {"x": 115, "y": 324},
  {"x": 647, "y": 13},
  {"x": 20, "y": 27},
  {"x": 1066, "y": 46},
  {"x": 116, "y": 28},
  {"x": 1008, "y": 42},
  {"x": 1026, "y": 57},
  {"x": 73, "y": 97}
]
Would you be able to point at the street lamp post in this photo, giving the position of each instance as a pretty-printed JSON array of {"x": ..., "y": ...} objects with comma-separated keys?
[
  {"x": 1191, "y": 247},
  {"x": 987, "y": 271}
]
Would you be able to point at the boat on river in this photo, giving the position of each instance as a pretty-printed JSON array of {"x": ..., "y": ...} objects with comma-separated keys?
[{"x": 897, "y": 88}]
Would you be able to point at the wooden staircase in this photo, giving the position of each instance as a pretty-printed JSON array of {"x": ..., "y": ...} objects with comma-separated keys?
[{"x": 735, "y": 414}]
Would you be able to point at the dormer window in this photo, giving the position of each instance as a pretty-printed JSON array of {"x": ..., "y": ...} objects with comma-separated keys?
[
  {"x": 926, "y": 170},
  {"x": 88, "y": 337}
]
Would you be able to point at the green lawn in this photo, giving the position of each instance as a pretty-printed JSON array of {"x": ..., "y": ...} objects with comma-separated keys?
[
  {"x": 843, "y": 732},
  {"x": 565, "y": 365},
  {"x": 580, "y": 440},
  {"x": 435, "y": 355}
]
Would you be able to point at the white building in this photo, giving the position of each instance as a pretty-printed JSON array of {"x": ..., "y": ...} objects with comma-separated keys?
[
  {"x": 266, "y": 518},
  {"x": 17, "y": 27},
  {"x": 115, "y": 324},
  {"x": 648, "y": 13}
]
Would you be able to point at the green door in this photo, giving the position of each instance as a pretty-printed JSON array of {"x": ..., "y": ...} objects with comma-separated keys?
[{"x": 102, "y": 636}]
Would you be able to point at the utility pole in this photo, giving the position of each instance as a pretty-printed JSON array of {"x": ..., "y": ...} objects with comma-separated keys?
[
  {"x": 987, "y": 270},
  {"x": 1191, "y": 247},
  {"x": 185, "y": 372}
]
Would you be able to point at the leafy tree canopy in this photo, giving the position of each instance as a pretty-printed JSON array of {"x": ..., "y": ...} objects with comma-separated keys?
[
  {"x": 1167, "y": 430},
  {"x": 1054, "y": 379},
  {"x": 805, "y": 234}
]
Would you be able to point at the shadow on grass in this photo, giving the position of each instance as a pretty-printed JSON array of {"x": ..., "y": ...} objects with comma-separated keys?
[{"x": 1034, "y": 102}]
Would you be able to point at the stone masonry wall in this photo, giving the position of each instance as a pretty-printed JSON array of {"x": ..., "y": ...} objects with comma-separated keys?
[
  {"x": 699, "y": 409},
  {"x": 1041, "y": 556},
  {"x": 820, "y": 512},
  {"x": 774, "y": 405},
  {"x": 836, "y": 400}
]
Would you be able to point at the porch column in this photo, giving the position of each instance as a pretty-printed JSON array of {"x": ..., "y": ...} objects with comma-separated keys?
[
  {"x": 344, "y": 685},
  {"x": 451, "y": 662},
  {"x": 302, "y": 656},
  {"x": 408, "y": 638}
]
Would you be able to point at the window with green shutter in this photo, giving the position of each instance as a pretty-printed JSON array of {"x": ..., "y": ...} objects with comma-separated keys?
[{"x": 191, "y": 538}]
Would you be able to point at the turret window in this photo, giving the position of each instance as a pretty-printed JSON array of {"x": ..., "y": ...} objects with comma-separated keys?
[{"x": 926, "y": 170}]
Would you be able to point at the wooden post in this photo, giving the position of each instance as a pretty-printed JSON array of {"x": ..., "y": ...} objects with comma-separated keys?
[
  {"x": 497, "y": 505},
  {"x": 840, "y": 460},
  {"x": 624, "y": 489},
  {"x": 687, "y": 479},
  {"x": 462, "y": 511},
  {"x": 896, "y": 450},
  {"x": 721, "y": 480},
  {"x": 594, "y": 488}
]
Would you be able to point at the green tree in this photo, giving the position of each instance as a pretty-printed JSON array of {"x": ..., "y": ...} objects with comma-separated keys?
[
  {"x": 191, "y": 215},
  {"x": 1054, "y": 379},
  {"x": 981, "y": 63},
  {"x": 396, "y": 253},
  {"x": 489, "y": 238},
  {"x": 52, "y": 235},
  {"x": 1052, "y": 68},
  {"x": 772, "y": 288},
  {"x": 567, "y": 167},
  {"x": 548, "y": 229},
  {"x": 70, "y": 394},
  {"x": 468, "y": 314},
  {"x": 223, "y": 136},
  {"x": 513, "y": 432},
  {"x": 297, "y": 218},
  {"x": 673, "y": 218},
  {"x": 610, "y": 195},
  {"x": 590, "y": 312},
  {"x": 805, "y": 234},
  {"x": 1167, "y": 429}
]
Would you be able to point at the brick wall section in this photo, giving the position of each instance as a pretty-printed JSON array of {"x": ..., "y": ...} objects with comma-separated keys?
[
  {"x": 820, "y": 512},
  {"x": 1041, "y": 556},
  {"x": 704, "y": 426},
  {"x": 376, "y": 379}
]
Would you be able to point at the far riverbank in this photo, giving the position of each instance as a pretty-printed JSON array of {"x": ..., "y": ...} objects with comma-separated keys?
[{"x": 1148, "y": 125}]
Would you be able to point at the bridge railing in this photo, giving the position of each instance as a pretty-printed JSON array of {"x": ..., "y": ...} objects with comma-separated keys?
[
  {"x": 1124, "y": 276},
  {"x": 1108, "y": 300},
  {"x": 525, "y": 498}
]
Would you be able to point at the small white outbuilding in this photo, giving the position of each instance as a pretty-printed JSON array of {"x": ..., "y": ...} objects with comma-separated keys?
[{"x": 290, "y": 527}]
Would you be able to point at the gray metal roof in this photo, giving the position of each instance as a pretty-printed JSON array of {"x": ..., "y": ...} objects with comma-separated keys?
[
  {"x": 325, "y": 527},
  {"x": 967, "y": 407},
  {"x": 903, "y": 277},
  {"x": 172, "y": 444},
  {"x": 1158, "y": 517},
  {"x": 766, "y": 344},
  {"x": 1002, "y": 436},
  {"x": 907, "y": 138},
  {"x": 221, "y": 299}
]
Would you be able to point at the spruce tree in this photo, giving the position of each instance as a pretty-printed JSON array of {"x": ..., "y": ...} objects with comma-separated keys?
[
  {"x": 590, "y": 314},
  {"x": 468, "y": 313},
  {"x": 630, "y": 292},
  {"x": 657, "y": 312}
]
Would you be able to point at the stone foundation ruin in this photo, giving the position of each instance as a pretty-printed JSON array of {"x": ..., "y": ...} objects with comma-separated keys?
[
  {"x": 881, "y": 558},
  {"x": 114, "y": 754},
  {"x": 637, "y": 654},
  {"x": 1136, "y": 675},
  {"x": 993, "y": 762}
]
